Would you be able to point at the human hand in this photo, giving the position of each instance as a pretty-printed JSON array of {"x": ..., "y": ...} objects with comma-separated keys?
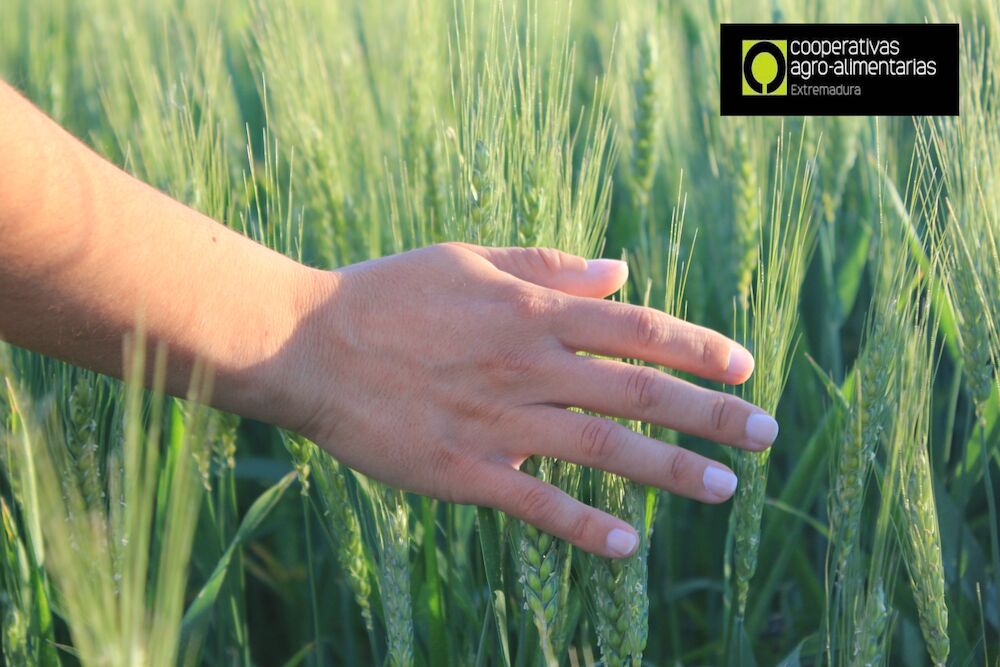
[
  {"x": 442, "y": 369},
  {"x": 438, "y": 370}
]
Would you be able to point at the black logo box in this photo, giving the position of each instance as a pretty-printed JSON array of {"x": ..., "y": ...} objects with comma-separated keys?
[{"x": 929, "y": 95}]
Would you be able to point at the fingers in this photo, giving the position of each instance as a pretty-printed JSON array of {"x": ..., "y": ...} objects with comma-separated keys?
[
  {"x": 555, "y": 512},
  {"x": 621, "y": 330},
  {"x": 616, "y": 329},
  {"x": 647, "y": 394},
  {"x": 602, "y": 443},
  {"x": 557, "y": 270}
]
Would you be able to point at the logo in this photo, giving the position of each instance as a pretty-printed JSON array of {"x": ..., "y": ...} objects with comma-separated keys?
[
  {"x": 839, "y": 69},
  {"x": 764, "y": 67}
]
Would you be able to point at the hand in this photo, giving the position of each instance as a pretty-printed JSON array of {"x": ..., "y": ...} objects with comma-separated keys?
[
  {"x": 438, "y": 370},
  {"x": 441, "y": 370}
]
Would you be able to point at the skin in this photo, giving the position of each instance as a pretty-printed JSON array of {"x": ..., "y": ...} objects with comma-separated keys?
[{"x": 437, "y": 370}]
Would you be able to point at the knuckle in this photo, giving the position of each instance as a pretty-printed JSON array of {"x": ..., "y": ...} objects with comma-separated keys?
[
  {"x": 511, "y": 359},
  {"x": 707, "y": 351},
  {"x": 480, "y": 410},
  {"x": 448, "y": 249},
  {"x": 648, "y": 328},
  {"x": 678, "y": 465},
  {"x": 528, "y": 304},
  {"x": 643, "y": 388},
  {"x": 721, "y": 407},
  {"x": 579, "y": 528},
  {"x": 537, "y": 505},
  {"x": 598, "y": 439},
  {"x": 548, "y": 259}
]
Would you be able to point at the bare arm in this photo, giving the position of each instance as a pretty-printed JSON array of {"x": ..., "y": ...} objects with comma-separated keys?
[
  {"x": 86, "y": 249},
  {"x": 437, "y": 370}
]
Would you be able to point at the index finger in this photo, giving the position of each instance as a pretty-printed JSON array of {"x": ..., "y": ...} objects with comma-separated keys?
[{"x": 616, "y": 329}]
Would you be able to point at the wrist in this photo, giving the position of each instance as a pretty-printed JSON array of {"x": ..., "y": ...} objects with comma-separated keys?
[
  {"x": 262, "y": 364},
  {"x": 278, "y": 387}
]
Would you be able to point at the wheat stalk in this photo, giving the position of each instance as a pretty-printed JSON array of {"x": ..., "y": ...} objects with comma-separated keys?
[
  {"x": 840, "y": 152},
  {"x": 872, "y": 409},
  {"x": 747, "y": 212},
  {"x": 621, "y": 595},
  {"x": 921, "y": 534},
  {"x": 645, "y": 120},
  {"x": 543, "y": 561},
  {"x": 343, "y": 525},
  {"x": 481, "y": 195},
  {"x": 968, "y": 232},
  {"x": 82, "y": 442},
  {"x": 392, "y": 528},
  {"x": 769, "y": 335},
  {"x": 128, "y": 612},
  {"x": 870, "y": 629},
  {"x": 620, "y": 585}
]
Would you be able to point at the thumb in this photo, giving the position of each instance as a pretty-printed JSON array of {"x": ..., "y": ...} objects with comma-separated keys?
[{"x": 557, "y": 270}]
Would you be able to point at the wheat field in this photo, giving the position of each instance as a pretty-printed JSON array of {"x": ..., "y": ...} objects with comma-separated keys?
[{"x": 858, "y": 258}]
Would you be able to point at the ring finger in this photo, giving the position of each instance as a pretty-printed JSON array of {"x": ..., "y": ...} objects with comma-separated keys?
[
  {"x": 602, "y": 443},
  {"x": 644, "y": 393}
]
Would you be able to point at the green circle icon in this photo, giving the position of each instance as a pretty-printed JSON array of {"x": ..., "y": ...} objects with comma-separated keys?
[{"x": 764, "y": 68}]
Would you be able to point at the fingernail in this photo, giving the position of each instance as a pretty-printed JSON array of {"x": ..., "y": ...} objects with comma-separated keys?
[
  {"x": 604, "y": 267},
  {"x": 622, "y": 542},
  {"x": 740, "y": 363},
  {"x": 761, "y": 429},
  {"x": 719, "y": 481}
]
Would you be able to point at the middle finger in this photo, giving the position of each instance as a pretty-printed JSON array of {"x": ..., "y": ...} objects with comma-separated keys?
[{"x": 646, "y": 394}]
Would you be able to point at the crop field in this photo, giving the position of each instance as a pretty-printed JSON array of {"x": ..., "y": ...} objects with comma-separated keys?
[{"x": 858, "y": 258}]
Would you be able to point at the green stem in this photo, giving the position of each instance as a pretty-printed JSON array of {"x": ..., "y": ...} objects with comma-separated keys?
[
  {"x": 236, "y": 579},
  {"x": 801, "y": 487},
  {"x": 492, "y": 551},
  {"x": 316, "y": 657},
  {"x": 438, "y": 644}
]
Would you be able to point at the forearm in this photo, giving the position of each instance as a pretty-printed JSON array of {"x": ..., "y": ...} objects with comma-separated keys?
[{"x": 87, "y": 250}]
